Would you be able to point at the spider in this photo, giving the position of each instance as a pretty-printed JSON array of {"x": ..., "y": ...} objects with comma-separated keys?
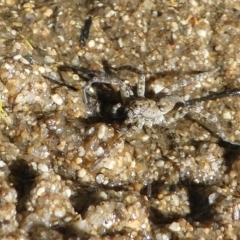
[{"x": 141, "y": 111}]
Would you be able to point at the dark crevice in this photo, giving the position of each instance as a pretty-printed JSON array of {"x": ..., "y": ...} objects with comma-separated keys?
[
  {"x": 83, "y": 198},
  {"x": 200, "y": 209},
  {"x": 23, "y": 178}
]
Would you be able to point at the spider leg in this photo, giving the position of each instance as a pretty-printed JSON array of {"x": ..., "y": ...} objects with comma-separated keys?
[
  {"x": 185, "y": 82},
  {"x": 141, "y": 86},
  {"x": 126, "y": 92},
  {"x": 181, "y": 113},
  {"x": 100, "y": 77},
  {"x": 88, "y": 85},
  {"x": 167, "y": 103},
  {"x": 212, "y": 123}
]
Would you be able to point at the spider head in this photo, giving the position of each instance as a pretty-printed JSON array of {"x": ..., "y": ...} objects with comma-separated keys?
[{"x": 135, "y": 108}]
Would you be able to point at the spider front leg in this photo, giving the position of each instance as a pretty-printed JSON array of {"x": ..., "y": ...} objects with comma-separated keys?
[
  {"x": 126, "y": 92},
  {"x": 86, "y": 86},
  {"x": 96, "y": 76}
]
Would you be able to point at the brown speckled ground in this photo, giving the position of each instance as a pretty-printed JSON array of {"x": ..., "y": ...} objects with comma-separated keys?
[{"x": 50, "y": 141}]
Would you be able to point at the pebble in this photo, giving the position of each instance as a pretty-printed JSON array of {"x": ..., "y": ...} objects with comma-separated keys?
[
  {"x": 43, "y": 167},
  {"x": 175, "y": 227},
  {"x": 48, "y": 12},
  {"x": 110, "y": 14},
  {"x": 91, "y": 43},
  {"x": 202, "y": 33},
  {"x": 49, "y": 60},
  {"x": 57, "y": 99},
  {"x": 102, "y": 131},
  {"x": 59, "y": 212}
]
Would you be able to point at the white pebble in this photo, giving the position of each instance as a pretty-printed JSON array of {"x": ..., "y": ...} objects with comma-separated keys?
[
  {"x": 41, "y": 69},
  {"x": 110, "y": 164},
  {"x": 40, "y": 191},
  {"x": 100, "y": 178},
  {"x": 120, "y": 42},
  {"x": 61, "y": 38},
  {"x": 213, "y": 197},
  {"x": 102, "y": 40},
  {"x": 101, "y": 131},
  {"x": 2, "y": 164},
  {"x": 48, "y": 12},
  {"x": 156, "y": 87},
  {"x": 82, "y": 173},
  {"x": 43, "y": 167},
  {"x": 174, "y": 26},
  {"x": 175, "y": 199},
  {"x": 57, "y": 99},
  {"x": 10, "y": 2},
  {"x": 175, "y": 227},
  {"x": 59, "y": 212},
  {"x": 202, "y": 33},
  {"x": 91, "y": 43},
  {"x": 99, "y": 152},
  {"x": 103, "y": 195},
  {"x": 193, "y": 3},
  {"x": 145, "y": 138},
  {"x": 227, "y": 115},
  {"x": 68, "y": 193},
  {"x": 48, "y": 59},
  {"x": 81, "y": 151},
  {"x": 110, "y": 14},
  {"x": 17, "y": 57},
  {"x": 24, "y": 61},
  {"x": 14, "y": 32},
  {"x": 125, "y": 18}
]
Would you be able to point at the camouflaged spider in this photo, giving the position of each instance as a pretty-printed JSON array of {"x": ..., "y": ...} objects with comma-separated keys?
[{"x": 141, "y": 111}]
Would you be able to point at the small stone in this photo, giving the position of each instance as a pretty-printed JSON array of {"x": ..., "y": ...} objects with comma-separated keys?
[
  {"x": 48, "y": 12},
  {"x": 145, "y": 138},
  {"x": 59, "y": 212},
  {"x": 49, "y": 60},
  {"x": 17, "y": 57},
  {"x": 202, "y": 33},
  {"x": 110, "y": 14},
  {"x": 57, "y": 99},
  {"x": 81, "y": 151},
  {"x": 41, "y": 69},
  {"x": 40, "y": 191},
  {"x": 120, "y": 42},
  {"x": 110, "y": 164},
  {"x": 2, "y": 164},
  {"x": 43, "y": 167},
  {"x": 227, "y": 115},
  {"x": 82, "y": 173},
  {"x": 99, "y": 151},
  {"x": 101, "y": 131},
  {"x": 10, "y": 2},
  {"x": 91, "y": 43},
  {"x": 100, "y": 178},
  {"x": 125, "y": 18},
  {"x": 175, "y": 227}
]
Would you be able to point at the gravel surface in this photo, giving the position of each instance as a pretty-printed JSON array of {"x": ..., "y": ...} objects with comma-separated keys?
[{"x": 68, "y": 170}]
